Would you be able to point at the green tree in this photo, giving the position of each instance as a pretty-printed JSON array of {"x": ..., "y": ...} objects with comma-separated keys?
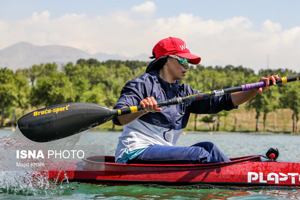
[
  {"x": 24, "y": 72},
  {"x": 270, "y": 102},
  {"x": 124, "y": 72},
  {"x": 35, "y": 72},
  {"x": 49, "y": 68},
  {"x": 291, "y": 99},
  {"x": 14, "y": 90},
  {"x": 223, "y": 113},
  {"x": 139, "y": 71},
  {"x": 208, "y": 119},
  {"x": 8, "y": 90},
  {"x": 257, "y": 103},
  {"x": 53, "y": 89},
  {"x": 80, "y": 85},
  {"x": 76, "y": 71},
  {"x": 96, "y": 95},
  {"x": 113, "y": 91},
  {"x": 98, "y": 75},
  {"x": 23, "y": 91}
]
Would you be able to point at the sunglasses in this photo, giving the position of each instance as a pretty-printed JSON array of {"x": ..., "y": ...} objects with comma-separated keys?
[{"x": 183, "y": 61}]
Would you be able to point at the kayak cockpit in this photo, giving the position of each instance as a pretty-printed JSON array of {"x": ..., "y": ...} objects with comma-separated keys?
[{"x": 108, "y": 162}]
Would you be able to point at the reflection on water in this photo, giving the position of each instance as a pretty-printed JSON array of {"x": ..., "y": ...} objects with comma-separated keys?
[
  {"x": 288, "y": 194},
  {"x": 205, "y": 192}
]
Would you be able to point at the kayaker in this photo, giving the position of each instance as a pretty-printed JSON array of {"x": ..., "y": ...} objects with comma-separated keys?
[{"x": 149, "y": 136}]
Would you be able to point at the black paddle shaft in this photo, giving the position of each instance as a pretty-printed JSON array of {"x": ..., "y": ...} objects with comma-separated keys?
[{"x": 63, "y": 120}]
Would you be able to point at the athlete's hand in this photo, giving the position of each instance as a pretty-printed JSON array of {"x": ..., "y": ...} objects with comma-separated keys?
[
  {"x": 149, "y": 104},
  {"x": 273, "y": 78}
]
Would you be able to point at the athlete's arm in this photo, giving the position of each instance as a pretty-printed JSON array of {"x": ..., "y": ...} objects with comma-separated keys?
[
  {"x": 149, "y": 104},
  {"x": 244, "y": 96}
]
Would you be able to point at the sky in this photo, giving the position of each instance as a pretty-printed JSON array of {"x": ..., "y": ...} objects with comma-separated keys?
[{"x": 253, "y": 33}]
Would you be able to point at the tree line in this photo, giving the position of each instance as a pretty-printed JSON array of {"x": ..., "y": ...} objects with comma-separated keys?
[{"x": 101, "y": 82}]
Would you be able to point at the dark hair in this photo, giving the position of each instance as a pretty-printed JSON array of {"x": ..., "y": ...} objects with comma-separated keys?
[{"x": 157, "y": 64}]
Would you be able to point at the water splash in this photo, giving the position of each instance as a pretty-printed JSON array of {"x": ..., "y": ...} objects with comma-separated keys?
[{"x": 32, "y": 180}]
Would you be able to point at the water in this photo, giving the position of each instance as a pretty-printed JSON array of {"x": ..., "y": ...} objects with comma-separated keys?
[{"x": 232, "y": 144}]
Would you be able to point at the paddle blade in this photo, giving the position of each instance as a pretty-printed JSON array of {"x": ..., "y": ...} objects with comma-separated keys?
[{"x": 63, "y": 120}]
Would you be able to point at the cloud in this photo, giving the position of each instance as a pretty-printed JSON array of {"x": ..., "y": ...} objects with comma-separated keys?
[
  {"x": 146, "y": 9},
  {"x": 271, "y": 27},
  {"x": 231, "y": 41},
  {"x": 44, "y": 16}
]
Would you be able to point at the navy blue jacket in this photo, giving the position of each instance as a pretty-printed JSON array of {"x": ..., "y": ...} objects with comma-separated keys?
[{"x": 174, "y": 116}]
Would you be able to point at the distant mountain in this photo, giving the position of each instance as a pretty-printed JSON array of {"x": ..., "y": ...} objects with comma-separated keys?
[
  {"x": 24, "y": 55},
  {"x": 104, "y": 56},
  {"x": 141, "y": 57}
]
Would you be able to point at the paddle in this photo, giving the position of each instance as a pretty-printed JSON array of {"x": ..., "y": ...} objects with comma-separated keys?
[{"x": 63, "y": 120}]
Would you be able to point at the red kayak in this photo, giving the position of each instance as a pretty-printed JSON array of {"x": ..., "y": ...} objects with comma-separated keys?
[{"x": 241, "y": 171}]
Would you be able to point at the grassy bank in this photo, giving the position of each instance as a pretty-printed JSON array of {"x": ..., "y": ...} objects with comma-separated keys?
[{"x": 242, "y": 120}]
